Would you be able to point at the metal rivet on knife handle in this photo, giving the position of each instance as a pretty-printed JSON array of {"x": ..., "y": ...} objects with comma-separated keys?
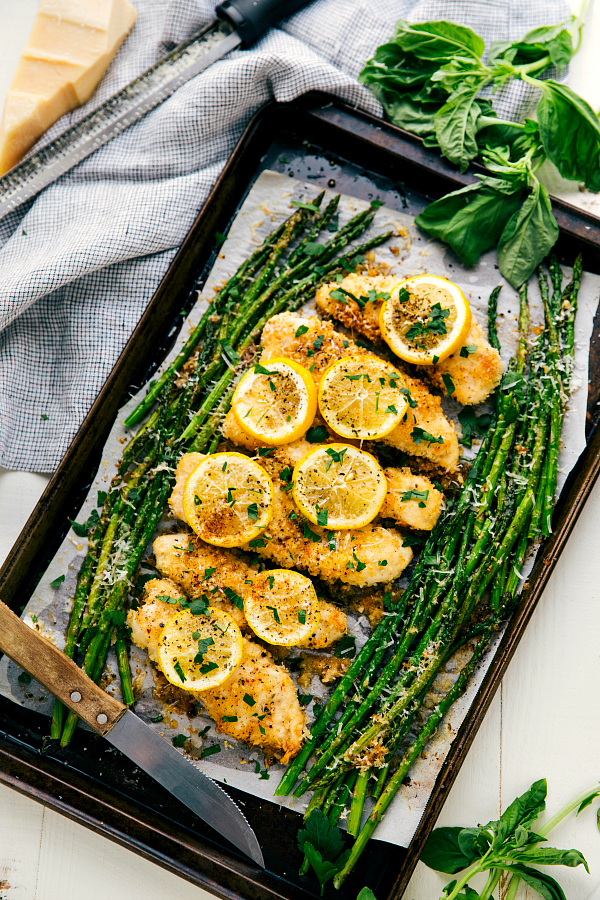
[
  {"x": 75, "y": 696},
  {"x": 101, "y": 719}
]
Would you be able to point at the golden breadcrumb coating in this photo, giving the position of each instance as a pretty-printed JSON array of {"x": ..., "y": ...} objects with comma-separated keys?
[
  {"x": 350, "y": 314},
  {"x": 415, "y": 512},
  {"x": 188, "y": 570},
  {"x": 475, "y": 376},
  {"x": 352, "y": 555},
  {"x": 279, "y": 339},
  {"x": 148, "y": 621}
]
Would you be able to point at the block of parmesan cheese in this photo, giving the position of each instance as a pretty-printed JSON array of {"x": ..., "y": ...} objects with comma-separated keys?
[{"x": 70, "y": 47}]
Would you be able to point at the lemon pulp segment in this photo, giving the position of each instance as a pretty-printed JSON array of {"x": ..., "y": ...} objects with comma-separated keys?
[
  {"x": 339, "y": 486},
  {"x": 199, "y": 652},
  {"x": 282, "y": 607},
  {"x": 228, "y": 499},
  {"x": 425, "y": 319},
  {"x": 361, "y": 397},
  {"x": 276, "y": 403}
]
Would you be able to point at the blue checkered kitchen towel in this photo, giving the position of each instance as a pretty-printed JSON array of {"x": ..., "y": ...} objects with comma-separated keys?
[{"x": 79, "y": 264}]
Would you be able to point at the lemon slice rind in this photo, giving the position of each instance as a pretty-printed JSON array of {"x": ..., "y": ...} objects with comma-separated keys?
[
  {"x": 177, "y": 649},
  {"x": 228, "y": 499},
  {"x": 398, "y": 317},
  {"x": 338, "y": 479},
  {"x": 277, "y": 407},
  {"x": 360, "y": 397},
  {"x": 282, "y": 607}
]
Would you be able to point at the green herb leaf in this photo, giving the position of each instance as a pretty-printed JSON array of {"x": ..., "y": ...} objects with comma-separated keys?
[
  {"x": 309, "y": 534},
  {"x": 442, "y": 851},
  {"x": 302, "y": 616},
  {"x": 179, "y": 671},
  {"x": 157, "y": 719},
  {"x": 448, "y": 384},
  {"x": 208, "y": 751},
  {"x": 325, "y": 838},
  {"x": 304, "y": 699},
  {"x": 179, "y": 740},
  {"x": 468, "y": 350},
  {"x": 413, "y": 494},
  {"x": 561, "y": 112},
  {"x": 101, "y": 498},
  {"x": 250, "y": 701},
  {"x": 57, "y": 582},
  {"x": 419, "y": 434},
  {"x": 310, "y": 206},
  {"x": 302, "y": 329},
  {"x": 322, "y": 515},
  {"x": 252, "y": 511},
  {"x": 24, "y": 678},
  {"x": 235, "y": 598},
  {"x": 203, "y": 645},
  {"x": 260, "y": 370},
  {"x": 229, "y": 718},
  {"x": 528, "y": 237}
]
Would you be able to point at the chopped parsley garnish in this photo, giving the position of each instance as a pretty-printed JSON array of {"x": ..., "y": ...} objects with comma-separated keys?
[
  {"x": 467, "y": 350},
  {"x": 318, "y": 342},
  {"x": 392, "y": 409},
  {"x": 310, "y": 206},
  {"x": 253, "y": 511},
  {"x": 156, "y": 719},
  {"x": 260, "y": 370},
  {"x": 230, "y": 718},
  {"x": 415, "y": 495},
  {"x": 336, "y": 456},
  {"x": 264, "y": 451},
  {"x": 208, "y": 751},
  {"x": 179, "y": 740},
  {"x": 317, "y": 434},
  {"x": 208, "y": 667},
  {"x": 302, "y": 616},
  {"x": 448, "y": 384},
  {"x": 24, "y": 678},
  {"x": 57, "y": 582},
  {"x": 224, "y": 467},
  {"x": 412, "y": 403},
  {"x": 248, "y": 700},
  {"x": 309, "y": 534},
  {"x": 346, "y": 647},
  {"x": 208, "y": 573},
  {"x": 203, "y": 645},
  {"x": 257, "y": 542},
  {"x": 197, "y": 500},
  {"x": 403, "y": 295},
  {"x": 304, "y": 699},
  {"x": 382, "y": 562},
  {"x": 101, "y": 498},
  {"x": 301, "y": 330}
]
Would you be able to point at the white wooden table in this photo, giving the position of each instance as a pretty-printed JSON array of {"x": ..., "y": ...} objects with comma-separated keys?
[{"x": 544, "y": 721}]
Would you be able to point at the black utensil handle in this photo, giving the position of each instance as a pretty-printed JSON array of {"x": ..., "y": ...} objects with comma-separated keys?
[{"x": 251, "y": 18}]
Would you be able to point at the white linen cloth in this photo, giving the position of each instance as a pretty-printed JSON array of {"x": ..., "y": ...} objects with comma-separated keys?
[{"x": 79, "y": 263}]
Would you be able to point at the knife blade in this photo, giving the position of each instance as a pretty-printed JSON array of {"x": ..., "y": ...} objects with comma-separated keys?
[
  {"x": 126, "y": 731},
  {"x": 239, "y": 24}
]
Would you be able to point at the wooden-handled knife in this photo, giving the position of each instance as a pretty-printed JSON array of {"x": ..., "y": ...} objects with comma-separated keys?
[{"x": 124, "y": 730}]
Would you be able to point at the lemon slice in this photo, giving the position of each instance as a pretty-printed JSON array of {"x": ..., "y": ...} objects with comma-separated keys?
[
  {"x": 360, "y": 397},
  {"x": 339, "y": 486},
  {"x": 282, "y": 607},
  {"x": 276, "y": 403},
  {"x": 425, "y": 320},
  {"x": 228, "y": 499},
  {"x": 197, "y": 653}
]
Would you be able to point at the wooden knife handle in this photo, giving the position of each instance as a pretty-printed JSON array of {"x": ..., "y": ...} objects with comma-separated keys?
[{"x": 57, "y": 672}]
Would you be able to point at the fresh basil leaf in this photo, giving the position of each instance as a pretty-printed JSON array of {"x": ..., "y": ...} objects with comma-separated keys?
[
  {"x": 562, "y": 113},
  {"x": 438, "y": 40},
  {"x": 366, "y": 894},
  {"x": 587, "y": 802},
  {"x": 442, "y": 851},
  {"x": 522, "y": 811},
  {"x": 541, "y": 882},
  {"x": 550, "y": 856},
  {"x": 470, "y": 220},
  {"x": 528, "y": 237}
]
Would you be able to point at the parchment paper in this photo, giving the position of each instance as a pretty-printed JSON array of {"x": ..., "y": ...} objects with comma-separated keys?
[{"x": 408, "y": 253}]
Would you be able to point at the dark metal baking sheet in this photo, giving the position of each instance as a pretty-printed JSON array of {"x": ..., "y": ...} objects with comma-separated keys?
[{"x": 323, "y": 141}]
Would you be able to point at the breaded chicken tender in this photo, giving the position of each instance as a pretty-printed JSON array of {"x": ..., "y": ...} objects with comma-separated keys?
[
  {"x": 276, "y": 722},
  {"x": 420, "y": 511},
  {"x": 279, "y": 339},
  {"x": 210, "y": 571},
  {"x": 365, "y": 320},
  {"x": 276, "y": 707},
  {"x": 352, "y": 555},
  {"x": 475, "y": 376}
]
